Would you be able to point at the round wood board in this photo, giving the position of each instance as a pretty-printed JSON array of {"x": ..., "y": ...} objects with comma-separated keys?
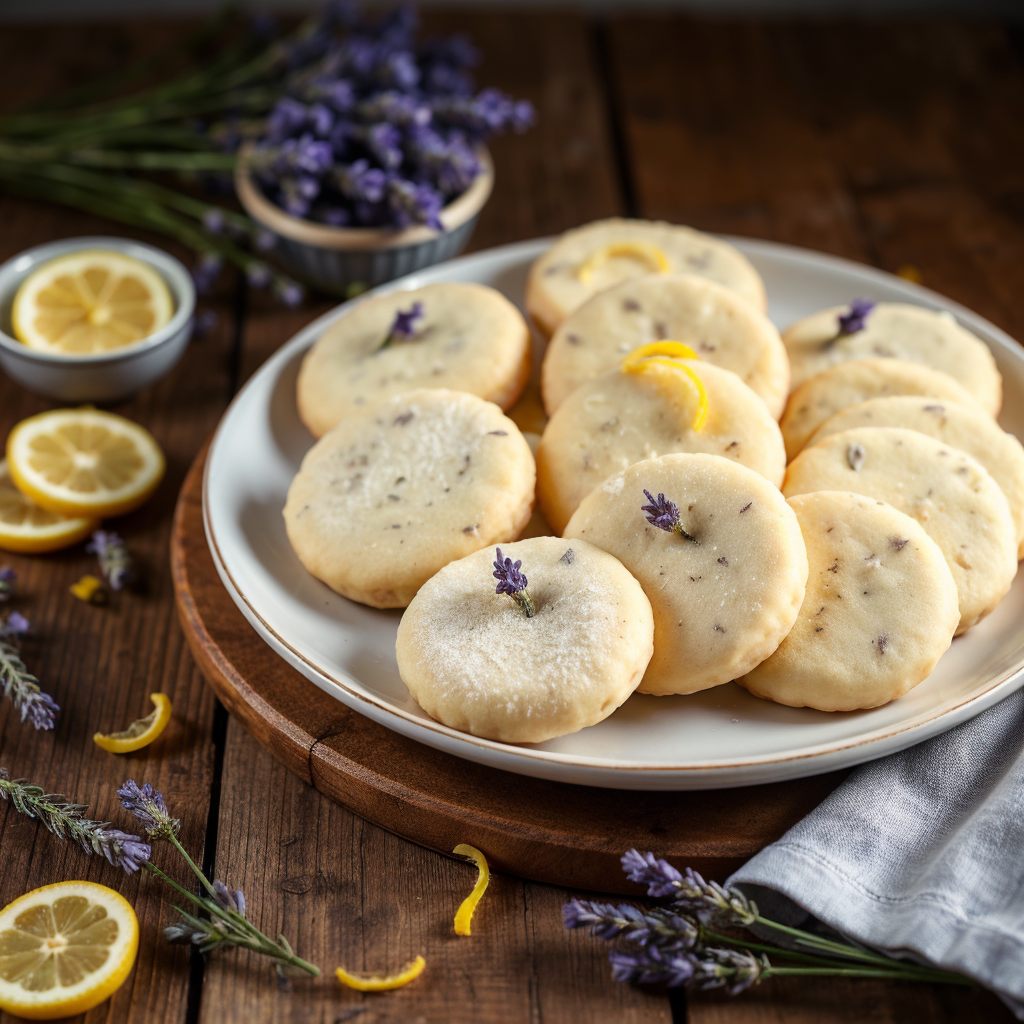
[{"x": 547, "y": 831}]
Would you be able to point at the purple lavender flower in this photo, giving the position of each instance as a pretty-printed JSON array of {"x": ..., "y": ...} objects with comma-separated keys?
[
  {"x": 264, "y": 240},
  {"x": 147, "y": 804},
  {"x": 513, "y": 583},
  {"x": 17, "y": 683},
  {"x": 121, "y": 849},
  {"x": 230, "y": 900},
  {"x": 412, "y": 203},
  {"x": 7, "y": 578},
  {"x": 213, "y": 220},
  {"x": 257, "y": 274},
  {"x": 287, "y": 117},
  {"x": 661, "y": 926},
  {"x": 15, "y": 625},
  {"x": 288, "y": 292},
  {"x": 358, "y": 180},
  {"x": 650, "y": 966},
  {"x": 664, "y": 514},
  {"x": 206, "y": 272},
  {"x": 404, "y": 324},
  {"x": 658, "y": 875},
  {"x": 855, "y": 318},
  {"x": 112, "y": 553},
  {"x": 206, "y": 321}
]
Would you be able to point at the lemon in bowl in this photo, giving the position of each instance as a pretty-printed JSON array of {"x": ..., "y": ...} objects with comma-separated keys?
[{"x": 93, "y": 319}]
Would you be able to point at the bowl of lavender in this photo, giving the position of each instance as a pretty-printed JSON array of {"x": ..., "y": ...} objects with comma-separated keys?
[{"x": 373, "y": 164}]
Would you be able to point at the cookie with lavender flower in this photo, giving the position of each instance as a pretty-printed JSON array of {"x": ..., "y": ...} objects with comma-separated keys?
[
  {"x": 894, "y": 330},
  {"x": 719, "y": 554},
  {"x": 848, "y": 384},
  {"x": 949, "y": 493},
  {"x": 589, "y": 259},
  {"x": 636, "y": 413},
  {"x": 392, "y": 494},
  {"x": 556, "y": 644},
  {"x": 464, "y": 337},
  {"x": 715, "y": 321},
  {"x": 880, "y": 608}
]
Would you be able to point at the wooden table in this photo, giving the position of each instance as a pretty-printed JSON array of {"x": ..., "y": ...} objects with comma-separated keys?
[{"x": 888, "y": 142}]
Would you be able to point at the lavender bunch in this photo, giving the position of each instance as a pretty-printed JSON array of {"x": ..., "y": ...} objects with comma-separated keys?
[
  {"x": 112, "y": 554},
  {"x": 678, "y": 945},
  {"x": 19, "y": 685}
]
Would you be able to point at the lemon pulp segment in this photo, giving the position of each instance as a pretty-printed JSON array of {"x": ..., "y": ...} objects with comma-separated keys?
[
  {"x": 141, "y": 732},
  {"x": 90, "y": 302},
  {"x": 655, "y": 354},
  {"x": 28, "y": 528}
]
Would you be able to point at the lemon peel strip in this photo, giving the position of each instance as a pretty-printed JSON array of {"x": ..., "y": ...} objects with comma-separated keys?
[
  {"x": 88, "y": 589},
  {"x": 644, "y": 251},
  {"x": 654, "y": 355},
  {"x": 141, "y": 732},
  {"x": 376, "y": 983},
  {"x": 465, "y": 913}
]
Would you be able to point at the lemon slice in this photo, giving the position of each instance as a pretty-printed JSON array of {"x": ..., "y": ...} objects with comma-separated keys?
[
  {"x": 655, "y": 354},
  {"x": 27, "y": 528},
  {"x": 83, "y": 462},
  {"x": 465, "y": 912},
  {"x": 90, "y": 302},
  {"x": 64, "y": 948},
  {"x": 650, "y": 255},
  {"x": 141, "y": 732},
  {"x": 379, "y": 982}
]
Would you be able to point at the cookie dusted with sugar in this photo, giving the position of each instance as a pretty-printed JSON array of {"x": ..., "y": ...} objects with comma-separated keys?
[
  {"x": 717, "y": 323},
  {"x": 645, "y": 410},
  {"x": 589, "y": 259},
  {"x": 464, "y": 337},
  {"x": 718, "y": 552},
  {"x": 556, "y": 645},
  {"x": 391, "y": 495},
  {"x": 950, "y": 494},
  {"x": 859, "y": 380},
  {"x": 959, "y": 426},
  {"x": 894, "y": 330},
  {"x": 880, "y": 609}
]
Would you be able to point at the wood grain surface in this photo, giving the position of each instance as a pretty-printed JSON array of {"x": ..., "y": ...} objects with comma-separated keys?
[{"x": 892, "y": 142}]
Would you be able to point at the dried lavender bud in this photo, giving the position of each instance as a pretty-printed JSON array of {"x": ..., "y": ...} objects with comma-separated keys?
[
  {"x": 855, "y": 318},
  {"x": 404, "y": 324},
  {"x": 112, "y": 553},
  {"x": 147, "y": 804},
  {"x": 660, "y": 926},
  {"x": 214, "y": 221},
  {"x": 649, "y": 966},
  {"x": 513, "y": 583},
  {"x": 899, "y": 543},
  {"x": 15, "y": 625},
  {"x": 664, "y": 514},
  {"x": 7, "y": 578},
  {"x": 230, "y": 900},
  {"x": 855, "y": 456},
  {"x": 206, "y": 272}
]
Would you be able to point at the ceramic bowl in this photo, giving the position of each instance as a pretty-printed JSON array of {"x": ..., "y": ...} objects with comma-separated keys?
[
  {"x": 336, "y": 260},
  {"x": 111, "y": 376}
]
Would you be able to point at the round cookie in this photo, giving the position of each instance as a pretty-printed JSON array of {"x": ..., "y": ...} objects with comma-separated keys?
[
  {"x": 391, "y": 495},
  {"x": 880, "y": 608},
  {"x": 950, "y": 494},
  {"x": 467, "y": 338},
  {"x": 958, "y": 426},
  {"x": 896, "y": 330},
  {"x": 474, "y": 661},
  {"x": 722, "y": 601},
  {"x": 715, "y": 322},
  {"x": 839, "y": 387},
  {"x": 556, "y": 285},
  {"x": 620, "y": 418}
]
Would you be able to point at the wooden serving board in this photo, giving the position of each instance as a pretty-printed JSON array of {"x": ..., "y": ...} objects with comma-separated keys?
[{"x": 547, "y": 831}]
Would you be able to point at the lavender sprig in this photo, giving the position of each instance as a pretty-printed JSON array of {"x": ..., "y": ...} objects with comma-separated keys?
[
  {"x": 112, "y": 554},
  {"x": 660, "y": 926},
  {"x": 67, "y": 821},
  {"x": 664, "y": 514},
  {"x": 404, "y": 324},
  {"x": 19, "y": 685},
  {"x": 513, "y": 583},
  {"x": 147, "y": 804},
  {"x": 853, "y": 320},
  {"x": 734, "y": 969}
]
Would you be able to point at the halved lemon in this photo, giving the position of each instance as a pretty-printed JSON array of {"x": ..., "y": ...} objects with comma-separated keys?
[
  {"x": 64, "y": 948},
  {"x": 141, "y": 732},
  {"x": 90, "y": 302},
  {"x": 381, "y": 982},
  {"x": 27, "y": 528},
  {"x": 84, "y": 462}
]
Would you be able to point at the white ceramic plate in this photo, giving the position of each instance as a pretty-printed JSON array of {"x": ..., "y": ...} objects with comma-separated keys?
[{"x": 718, "y": 738}]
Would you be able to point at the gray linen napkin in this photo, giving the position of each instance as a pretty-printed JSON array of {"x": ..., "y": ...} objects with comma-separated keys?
[{"x": 919, "y": 853}]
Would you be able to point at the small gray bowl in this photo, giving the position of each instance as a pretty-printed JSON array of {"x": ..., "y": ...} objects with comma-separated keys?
[
  {"x": 333, "y": 260},
  {"x": 111, "y": 376}
]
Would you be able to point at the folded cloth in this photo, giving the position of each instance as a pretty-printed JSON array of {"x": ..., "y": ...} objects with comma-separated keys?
[{"x": 919, "y": 854}]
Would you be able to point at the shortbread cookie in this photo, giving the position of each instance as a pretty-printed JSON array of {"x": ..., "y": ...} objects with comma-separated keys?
[
  {"x": 715, "y": 322},
  {"x": 839, "y": 387},
  {"x": 879, "y": 612},
  {"x": 589, "y": 259},
  {"x": 620, "y": 418},
  {"x": 894, "y": 330},
  {"x": 718, "y": 552},
  {"x": 958, "y": 426},
  {"x": 391, "y": 495},
  {"x": 949, "y": 493},
  {"x": 466, "y": 338},
  {"x": 475, "y": 661}
]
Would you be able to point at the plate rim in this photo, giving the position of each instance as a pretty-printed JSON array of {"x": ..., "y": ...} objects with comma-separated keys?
[{"x": 521, "y": 759}]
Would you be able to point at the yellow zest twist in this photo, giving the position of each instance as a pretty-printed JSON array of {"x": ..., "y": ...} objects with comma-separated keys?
[
  {"x": 655, "y": 354},
  {"x": 381, "y": 983},
  {"x": 89, "y": 589},
  {"x": 642, "y": 251},
  {"x": 465, "y": 912},
  {"x": 141, "y": 732}
]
